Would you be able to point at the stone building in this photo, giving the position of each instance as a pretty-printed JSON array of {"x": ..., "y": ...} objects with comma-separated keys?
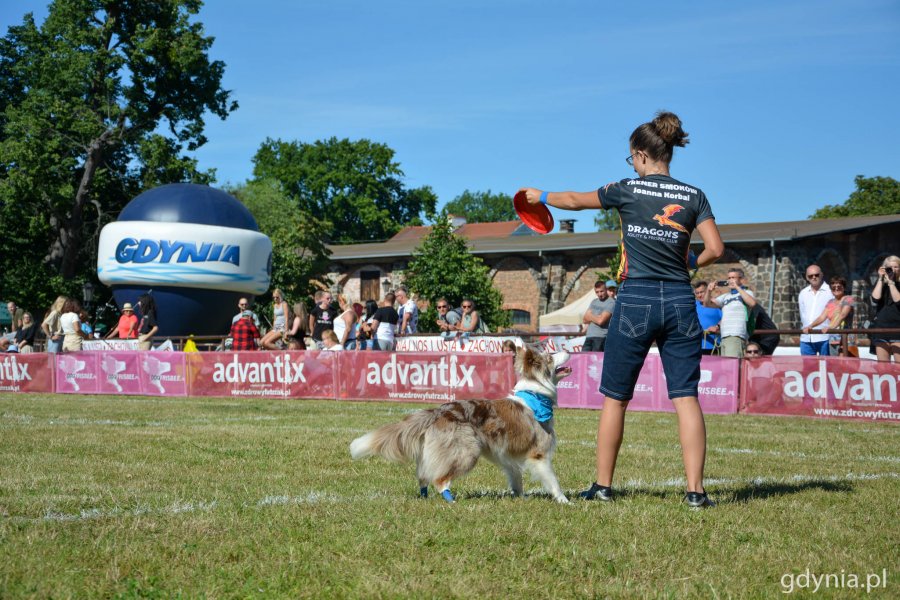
[{"x": 541, "y": 273}]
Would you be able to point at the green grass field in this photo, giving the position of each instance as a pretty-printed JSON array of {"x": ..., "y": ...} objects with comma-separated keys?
[{"x": 144, "y": 497}]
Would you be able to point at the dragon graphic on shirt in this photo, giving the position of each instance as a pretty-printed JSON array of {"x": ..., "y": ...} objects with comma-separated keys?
[{"x": 665, "y": 218}]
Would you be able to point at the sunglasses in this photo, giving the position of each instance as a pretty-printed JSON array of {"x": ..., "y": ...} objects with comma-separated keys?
[
  {"x": 812, "y": 275},
  {"x": 440, "y": 306},
  {"x": 467, "y": 306}
]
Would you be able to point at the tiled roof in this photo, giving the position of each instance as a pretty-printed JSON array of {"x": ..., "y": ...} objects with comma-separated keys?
[{"x": 512, "y": 244}]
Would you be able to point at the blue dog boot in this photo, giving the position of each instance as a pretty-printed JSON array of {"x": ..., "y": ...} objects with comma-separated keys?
[
  {"x": 448, "y": 496},
  {"x": 423, "y": 492}
]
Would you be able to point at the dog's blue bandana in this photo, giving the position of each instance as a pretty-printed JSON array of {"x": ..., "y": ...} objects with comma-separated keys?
[{"x": 541, "y": 405}]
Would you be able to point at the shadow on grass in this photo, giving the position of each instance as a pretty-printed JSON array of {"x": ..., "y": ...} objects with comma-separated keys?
[
  {"x": 769, "y": 490},
  {"x": 743, "y": 494}
]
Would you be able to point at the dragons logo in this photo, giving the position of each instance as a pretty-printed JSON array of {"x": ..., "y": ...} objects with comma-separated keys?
[{"x": 665, "y": 218}]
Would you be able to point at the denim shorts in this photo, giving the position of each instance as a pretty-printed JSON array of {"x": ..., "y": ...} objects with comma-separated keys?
[{"x": 650, "y": 311}]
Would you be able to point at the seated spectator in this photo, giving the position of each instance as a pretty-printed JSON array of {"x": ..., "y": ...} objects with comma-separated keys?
[
  {"x": 447, "y": 318},
  {"x": 753, "y": 350},
  {"x": 471, "y": 321},
  {"x": 244, "y": 334},
  {"x": 25, "y": 336},
  {"x": 244, "y": 304},
  {"x": 839, "y": 314},
  {"x": 330, "y": 341},
  {"x": 70, "y": 322},
  {"x": 128, "y": 324},
  {"x": 710, "y": 318}
]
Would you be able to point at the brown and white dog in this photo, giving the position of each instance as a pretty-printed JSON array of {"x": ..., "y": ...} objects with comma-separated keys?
[{"x": 446, "y": 442}]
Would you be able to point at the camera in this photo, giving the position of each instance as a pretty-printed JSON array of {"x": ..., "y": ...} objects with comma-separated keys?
[
  {"x": 889, "y": 271},
  {"x": 722, "y": 283}
]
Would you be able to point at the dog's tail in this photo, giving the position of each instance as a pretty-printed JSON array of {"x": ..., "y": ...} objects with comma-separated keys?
[{"x": 397, "y": 442}]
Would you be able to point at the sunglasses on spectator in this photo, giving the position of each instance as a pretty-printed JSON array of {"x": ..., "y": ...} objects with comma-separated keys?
[
  {"x": 442, "y": 306},
  {"x": 467, "y": 306},
  {"x": 837, "y": 287},
  {"x": 811, "y": 275}
]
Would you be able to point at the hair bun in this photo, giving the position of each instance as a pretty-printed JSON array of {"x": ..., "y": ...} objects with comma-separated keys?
[{"x": 668, "y": 126}]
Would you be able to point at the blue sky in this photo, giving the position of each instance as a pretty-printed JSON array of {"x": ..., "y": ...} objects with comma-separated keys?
[{"x": 785, "y": 102}]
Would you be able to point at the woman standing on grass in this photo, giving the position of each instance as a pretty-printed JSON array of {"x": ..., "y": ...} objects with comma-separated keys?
[{"x": 655, "y": 302}]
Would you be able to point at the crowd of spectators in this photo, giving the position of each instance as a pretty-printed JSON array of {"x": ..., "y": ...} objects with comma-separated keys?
[{"x": 728, "y": 312}]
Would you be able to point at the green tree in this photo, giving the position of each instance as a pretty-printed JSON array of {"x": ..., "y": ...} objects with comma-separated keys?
[
  {"x": 443, "y": 266},
  {"x": 96, "y": 104},
  {"x": 356, "y": 186},
  {"x": 482, "y": 207},
  {"x": 298, "y": 252},
  {"x": 607, "y": 220},
  {"x": 873, "y": 196}
]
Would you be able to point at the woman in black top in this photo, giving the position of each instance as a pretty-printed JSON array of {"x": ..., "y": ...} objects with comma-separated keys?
[
  {"x": 25, "y": 334},
  {"x": 886, "y": 296},
  {"x": 147, "y": 326},
  {"x": 655, "y": 303}
]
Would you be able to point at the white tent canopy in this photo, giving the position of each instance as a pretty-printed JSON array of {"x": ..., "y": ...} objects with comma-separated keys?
[{"x": 567, "y": 318}]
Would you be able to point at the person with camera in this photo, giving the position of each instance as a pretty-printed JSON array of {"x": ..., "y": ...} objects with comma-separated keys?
[
  {"x": 886, "y": 298},
  {"x": 735, "y": 304}
]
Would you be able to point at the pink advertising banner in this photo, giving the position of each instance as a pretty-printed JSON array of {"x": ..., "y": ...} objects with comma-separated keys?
[
  {"x": 26, "y": 372},
  {"x": 812, "y": 386},
  {"x": 309, "y": 374},
  {"x": 719, "y": 379},
  {"x": 128, "y": 373},
  {"x": 424, "y": 377}
]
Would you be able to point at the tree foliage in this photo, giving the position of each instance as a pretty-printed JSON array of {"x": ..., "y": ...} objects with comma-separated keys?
[
  {"x": 482, "y": 207},
  {"x": 607, "y": 220},
  {"x": 356, "y": 186},
  {"x": 298, "y": 250},
  {"x": 873, "y": 196},
  {"x": 97, "y": 104},
  {"x": 443, "y": 266}
]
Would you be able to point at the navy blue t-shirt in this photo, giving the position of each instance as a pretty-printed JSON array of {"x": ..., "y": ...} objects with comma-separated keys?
[{"x": 658, "y": 215}]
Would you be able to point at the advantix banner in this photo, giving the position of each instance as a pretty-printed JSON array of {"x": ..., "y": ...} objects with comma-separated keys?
[{"x": 785, "y": 385}]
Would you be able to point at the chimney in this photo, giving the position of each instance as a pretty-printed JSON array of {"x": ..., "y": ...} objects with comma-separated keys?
[
  {"x": 456, "y": 221},
  {"x": 567, "y": 225}
]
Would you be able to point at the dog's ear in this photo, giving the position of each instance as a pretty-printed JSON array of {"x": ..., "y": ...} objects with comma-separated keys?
[{"x": 527, "y": 361}]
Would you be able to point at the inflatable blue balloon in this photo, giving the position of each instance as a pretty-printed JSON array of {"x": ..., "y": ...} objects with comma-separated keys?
[{"x": 194, "y": 248}]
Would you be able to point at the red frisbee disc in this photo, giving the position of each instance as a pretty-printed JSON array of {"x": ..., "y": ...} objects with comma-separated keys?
[{"x": 536, "y": 216}]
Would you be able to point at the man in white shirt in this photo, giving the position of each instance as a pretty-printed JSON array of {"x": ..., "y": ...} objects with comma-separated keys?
[
  {"x": 409, "y": 311},
  {"x": 735, "y": 306},
  {"x": 812, "y": 300}
]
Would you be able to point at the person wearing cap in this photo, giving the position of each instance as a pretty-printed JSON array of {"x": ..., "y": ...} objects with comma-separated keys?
[
  {"x": 244, "y": 333},
  {"x": 128, "y": 324},
  {"x": 611, "y": 288}
]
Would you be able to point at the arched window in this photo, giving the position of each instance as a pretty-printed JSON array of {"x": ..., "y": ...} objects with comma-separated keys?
[{"x": 520, "y": 317}]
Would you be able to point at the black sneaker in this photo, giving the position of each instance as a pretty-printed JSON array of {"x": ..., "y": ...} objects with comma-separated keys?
[
  {"x": 597, "y": 492},
  {"x": 698, "y": 500}
]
